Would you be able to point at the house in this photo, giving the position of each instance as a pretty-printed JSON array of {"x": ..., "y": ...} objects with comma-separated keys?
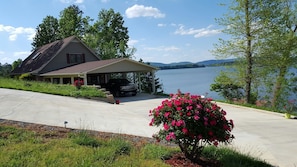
[{"x": 64, "y": 61}]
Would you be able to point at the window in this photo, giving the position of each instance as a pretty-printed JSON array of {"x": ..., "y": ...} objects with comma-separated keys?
[{"x": 74, "y": 58}]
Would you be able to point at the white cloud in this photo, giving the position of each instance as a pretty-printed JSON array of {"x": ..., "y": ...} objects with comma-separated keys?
[
  {"x": 72, "y": 1},
  {"x": 143, "y": 11},
  {"x": 197, "y": 33},
  {"x": 163, "y": 48},
  {"x": 161, "y": 25},
  {"x": 15, "y": 31}
]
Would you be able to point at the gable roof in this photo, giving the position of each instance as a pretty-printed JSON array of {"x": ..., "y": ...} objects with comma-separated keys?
[
  {"x": 39, "y": 58},
  {"x": 103, "y": 66}
]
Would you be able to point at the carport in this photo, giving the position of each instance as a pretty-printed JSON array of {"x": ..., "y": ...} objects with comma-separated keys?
[{"x": 99, "y": 72}]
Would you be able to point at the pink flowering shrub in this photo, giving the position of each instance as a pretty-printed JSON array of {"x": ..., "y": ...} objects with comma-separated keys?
[
  {"x": 191, "y": 122},
  {"x": 78, "y": 83}
]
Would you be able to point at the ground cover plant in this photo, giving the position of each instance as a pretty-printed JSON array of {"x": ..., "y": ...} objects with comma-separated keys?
[
  {"x": 24, "y": 144},
  {"x": 49, "y": 88}
]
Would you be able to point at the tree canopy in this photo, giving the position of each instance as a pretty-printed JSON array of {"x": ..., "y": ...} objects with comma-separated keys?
[
  {"x": 107, "y": 36},
  {"x": 263, "y": 38}
]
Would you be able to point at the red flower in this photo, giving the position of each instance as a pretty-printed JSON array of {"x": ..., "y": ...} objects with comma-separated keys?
[
  {"x": 210, "y": 133},
  {"x": 189, "y": 114},
  {"x": 166, "y": 127},
  {"x": 213, "y": 122}
]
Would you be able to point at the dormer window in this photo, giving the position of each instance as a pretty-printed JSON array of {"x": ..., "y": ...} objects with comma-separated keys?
[
  {"x": 74, "y": 58},
  {"x": 36, "y": 55}
]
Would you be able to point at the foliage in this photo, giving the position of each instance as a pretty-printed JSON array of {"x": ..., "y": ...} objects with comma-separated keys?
[
  {"x": 83, "y": 138},
  {"x": 108, "y": 36},
  {"x": 72, "y": 22},
  {"x": 278, "y": 51},
  {"x": 46, "y": 32},
  {"x": 25, "y": 76},
  {"x": 16, "y": 63},
  {"x": 227, "y": 87},
  {"x": 291, "y": 106},
  {"x": 191, "y": 122},
  {"x": 231, "y": 158},
  {"x": 5, "y": 70},
  {"x": 56, "y": 89}
]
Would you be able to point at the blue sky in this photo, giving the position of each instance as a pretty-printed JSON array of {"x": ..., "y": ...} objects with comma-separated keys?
[{"x": 161, "y": 30}]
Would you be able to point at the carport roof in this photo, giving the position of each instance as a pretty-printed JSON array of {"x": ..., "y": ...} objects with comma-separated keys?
[{"x": 103, "y": 66}]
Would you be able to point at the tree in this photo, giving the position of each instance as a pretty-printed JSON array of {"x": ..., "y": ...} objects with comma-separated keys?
[
  {"x": 108, "y": 36},
  {"x": 241, "y": 25},
  {"x": 16, "y": 63},
  {"x": 46, "y": 32},
  {"x": 279, "y": 49},
  {"x": 5, "y": 70},
  {"x": 72, "y": 22}
]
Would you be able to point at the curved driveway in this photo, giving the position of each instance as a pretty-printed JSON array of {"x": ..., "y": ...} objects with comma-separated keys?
[{"x": 266, "y": 135}]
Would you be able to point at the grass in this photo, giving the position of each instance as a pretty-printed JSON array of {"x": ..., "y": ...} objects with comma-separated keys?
[
  {"x": 55, "y": 89},
  {"x": 22, "y": 147}
]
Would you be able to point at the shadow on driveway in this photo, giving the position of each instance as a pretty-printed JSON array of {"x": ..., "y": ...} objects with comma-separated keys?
[{"x": 138, "y": 97}]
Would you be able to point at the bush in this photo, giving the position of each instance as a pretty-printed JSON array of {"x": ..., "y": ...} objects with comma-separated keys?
[{"x": 191, "y": 122}]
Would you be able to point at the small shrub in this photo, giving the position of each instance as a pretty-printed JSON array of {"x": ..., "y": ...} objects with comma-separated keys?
[{"x": 191, "y": 122}]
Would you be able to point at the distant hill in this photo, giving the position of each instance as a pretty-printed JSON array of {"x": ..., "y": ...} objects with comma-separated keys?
[
  {"x": 186, "y": 64},
  {"x": 216, "y": 62}
]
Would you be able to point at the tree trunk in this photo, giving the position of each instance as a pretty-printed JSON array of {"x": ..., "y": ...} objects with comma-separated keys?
[
  {"x": 248, "y": 54},
  {"x": 278, "y": 85}
]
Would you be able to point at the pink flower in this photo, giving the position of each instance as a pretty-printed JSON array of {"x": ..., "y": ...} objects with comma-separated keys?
[
  {"x": 166, "y": 114},
  {"x": 170, "y": 136},
  {"x": 152, "y": 122},
  {"x": 215, "y": 143},
  {"x": 179, "y": 108},
  {"x": 189, "y": 107},
  {"x": 231, "y": 122},
  {"x": 166, "y": 126},
  {"x": 223, "y": 112},
  {"x": 185, "y": 130},
  {"x": 196, "y": 117},
  {"x": 173, "y": 123},
  {"x": 179, "y": 123}
]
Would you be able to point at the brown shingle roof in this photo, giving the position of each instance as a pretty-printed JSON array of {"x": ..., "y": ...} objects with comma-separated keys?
[
  {"x": 38, "y": 59},
  {"x": 91, "y": 66}
]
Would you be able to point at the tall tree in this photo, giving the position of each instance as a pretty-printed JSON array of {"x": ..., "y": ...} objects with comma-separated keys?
[
  {"x": 46, "y": 32},
  {"x": 279, "y": 49},
  {"x": 108, "y": 36},
  {"x": 72, "y": 22},
  {"x": 240, "y": 23}
]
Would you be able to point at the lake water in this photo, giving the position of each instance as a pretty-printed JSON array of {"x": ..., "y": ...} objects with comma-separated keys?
[{"x": 190, "y": 80}]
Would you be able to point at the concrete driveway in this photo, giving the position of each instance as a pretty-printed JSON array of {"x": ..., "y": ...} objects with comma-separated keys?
[{"x": 262, "y": 134}]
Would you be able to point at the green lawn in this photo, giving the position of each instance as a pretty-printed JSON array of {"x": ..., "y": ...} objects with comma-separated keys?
[{"x": 22, "y": 147}]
